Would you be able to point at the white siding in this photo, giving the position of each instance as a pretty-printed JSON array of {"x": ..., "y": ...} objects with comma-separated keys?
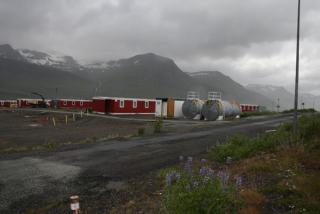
[{"x": 178, "y": 109}]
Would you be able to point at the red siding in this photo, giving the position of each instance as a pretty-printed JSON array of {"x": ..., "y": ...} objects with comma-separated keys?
[
  {"x": 7, "y": 103},
  {"x": 75, "y": 104},
  {"x": 99, "y": 106},
  {"x": 249, "y": 107},
  {"x": 129, "y": 109}
]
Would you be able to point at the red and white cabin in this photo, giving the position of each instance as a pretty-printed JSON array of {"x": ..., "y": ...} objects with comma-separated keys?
[
  {"x": 75, "y": 104},
  {"x": 249, "y": 107},
  {"x": 123, "y": 106},
  {"x": 8, "y": 103}
]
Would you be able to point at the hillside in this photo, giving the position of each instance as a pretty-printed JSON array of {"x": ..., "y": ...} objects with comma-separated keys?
[
  {"x": 286, "y": 98},
  {"x": 144, "y": 75},
  {"x": 19, "y": 79},
  {"x": 230, "y": 89}
]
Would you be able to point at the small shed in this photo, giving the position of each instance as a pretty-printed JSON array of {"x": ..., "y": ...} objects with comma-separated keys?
[{"x": 123, "y": 106}]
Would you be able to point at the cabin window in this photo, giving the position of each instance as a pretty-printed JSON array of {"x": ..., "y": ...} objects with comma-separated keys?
[
  {"x": 65, "y": 102},
  {"x": 27, "y": 102},
  {"x": 121, "y": 104},
  {"x": 146, "y": 104},
  {"x": 81, "y": 103},
  {"x": 73, "y": 103},
  {"x": 134, "y": 104}
]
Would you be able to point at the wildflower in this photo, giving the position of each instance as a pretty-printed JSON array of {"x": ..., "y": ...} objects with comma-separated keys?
[
  {"x": 238, "y": 182},
  {"x": 206, "y": 179},
  {"x": 224, "y": 176},
  {"x": 203, "y": 161},
  {"x": 190, "y": 159},
  {"x": 195, "y": 184},
  {"x": 203, "y": 171},
  {"x": 172, "y": 177},
  {"x": 180, "y": 158}
]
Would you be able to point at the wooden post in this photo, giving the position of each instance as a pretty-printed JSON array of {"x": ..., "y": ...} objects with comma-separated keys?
[
  {"x": 54, "y": 122},
  {"x": 66, "y": 119},
  {"x": 74, "y": 117},
  {"x": 81, "y": 114},
  {"x": 75, "y": 204}
]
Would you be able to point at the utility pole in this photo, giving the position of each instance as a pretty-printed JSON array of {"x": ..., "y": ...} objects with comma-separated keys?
[
  {"x": 278, "y": 104},
  {"x": 295, "y": 117}
]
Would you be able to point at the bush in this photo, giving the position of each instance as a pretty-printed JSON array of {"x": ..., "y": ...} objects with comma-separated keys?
[
  {"x": 141, "y": 131},
  {"x": 240, "y": 147},
  {"x": 158, "y": 125},
  {"x": 199, "y": 191}
]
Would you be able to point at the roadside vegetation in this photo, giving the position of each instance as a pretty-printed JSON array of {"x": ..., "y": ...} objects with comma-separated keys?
[{"x": 276, "y": 172}]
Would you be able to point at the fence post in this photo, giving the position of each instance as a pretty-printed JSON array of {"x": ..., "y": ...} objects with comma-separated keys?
[{"x": 54, "y": 122}]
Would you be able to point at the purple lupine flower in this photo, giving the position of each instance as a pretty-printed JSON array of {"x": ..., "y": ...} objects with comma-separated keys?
[
  {"x": 172, "y": 177},
  {"x": 224, "y": 176},
  {"x": 190, "y": 159},
  {"x": 203, "y": 161},
  {"x": 168, "y": 179},
  {"x": 203, "y": 171},
  {"x": 238, "y": 182}
]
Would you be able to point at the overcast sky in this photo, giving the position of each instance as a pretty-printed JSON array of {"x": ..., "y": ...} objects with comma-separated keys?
[{"x": 253, "y": 41}]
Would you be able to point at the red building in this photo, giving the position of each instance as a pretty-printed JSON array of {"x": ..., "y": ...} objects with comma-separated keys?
[
  {"x": 8, "y": 103},
  {"x": 75, "y": 104},
  {"x": 249, "y": 107},
  {"x": 27, "y": 103},
  {"x": 123, "y": 106}
]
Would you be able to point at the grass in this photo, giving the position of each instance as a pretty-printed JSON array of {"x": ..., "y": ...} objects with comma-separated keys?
[{"x": 280, "y": 175}]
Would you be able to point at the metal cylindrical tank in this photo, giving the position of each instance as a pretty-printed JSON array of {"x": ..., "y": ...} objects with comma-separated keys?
[
  {"x": 211, "y": 110},
  {"x": 192, "y": 108},
  {"x": 230, "y": 109}
]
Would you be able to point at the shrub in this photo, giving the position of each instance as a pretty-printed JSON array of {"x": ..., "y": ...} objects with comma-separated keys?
[
  {"x": 239, "y": 147},
  {"x": 199, "y": 191},
  {"x": 158, "y": 125},
  {"x": 141, "y": 131}
]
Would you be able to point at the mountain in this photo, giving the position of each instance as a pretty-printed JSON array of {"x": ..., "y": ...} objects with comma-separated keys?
[
  {"x": 62, "y": 62},
  {"x": 230, "y": 89},
  {"x": 286, "y": 98},
  {"x": 66, "y": 63},
  {"x": 145, "y": 75},
  {"x": 19, "y": 79},
  {"x": 7, "y": 52}
]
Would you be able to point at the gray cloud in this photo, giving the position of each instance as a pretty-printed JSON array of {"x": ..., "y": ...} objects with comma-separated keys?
[{"x": 252, "y": 41}]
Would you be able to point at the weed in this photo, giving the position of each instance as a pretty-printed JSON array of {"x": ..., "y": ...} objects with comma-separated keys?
[
  {"x": 141, "y": 131},
  {"x": 157, "y": 125}
]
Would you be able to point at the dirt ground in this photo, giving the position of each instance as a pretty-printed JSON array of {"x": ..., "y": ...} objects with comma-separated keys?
[
  {"x": 33, "y": 130},
  {"x": 22, "y": 129}
]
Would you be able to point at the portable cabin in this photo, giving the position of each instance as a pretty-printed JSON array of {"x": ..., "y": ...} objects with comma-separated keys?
[
  {"x": 27, "y": 103},
  {"x": 123, "y": 106},
  {"x": 169, "y": 107},
  {"x": 249, "y": 107},
  {"x": 73, "y": 104},
  {"x": 8, "y": 103}
]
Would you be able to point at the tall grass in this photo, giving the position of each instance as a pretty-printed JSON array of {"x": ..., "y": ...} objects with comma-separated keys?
[{"x": 240, "y": 147}]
